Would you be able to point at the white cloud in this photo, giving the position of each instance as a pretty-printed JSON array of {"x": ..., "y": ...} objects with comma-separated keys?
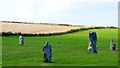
[
  {"x": 55, "y": 5},
  {"x": 21, "y": 8},
  {"x": 52, "y": 6}
]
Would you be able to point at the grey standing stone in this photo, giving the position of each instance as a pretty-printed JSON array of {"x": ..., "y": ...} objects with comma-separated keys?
[
  {"x": 112, "y": 45},
  {"x": 21, "y": 40},
  {"x": 92, "y": 42},
  {"x": 47, "y": 52},
  {"x": 58, "y": 43}
]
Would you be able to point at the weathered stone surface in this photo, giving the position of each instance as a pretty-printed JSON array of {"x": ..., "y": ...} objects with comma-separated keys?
[
  {"x": 21, "y": 40},
  {"x": 47, "y": 53},
  {"x": 90, "y": 48},
  {"x": 112, "y": 45},
  {"x": 92, "y": 42}
]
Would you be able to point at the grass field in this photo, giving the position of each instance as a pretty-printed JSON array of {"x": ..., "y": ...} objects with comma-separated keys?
[
  {"x": 0, "y": 51},
  {"x": 72, "y": 50}
]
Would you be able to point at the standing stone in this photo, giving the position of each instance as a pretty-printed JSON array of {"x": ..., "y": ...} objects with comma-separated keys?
[
  {"x": 112, "y": 45},
  {"x": 21, "y": 40},
  {"x": 92, "y": 42},
  {"x": 47, "y": 53},
  {"x": 58, "y": 43}
]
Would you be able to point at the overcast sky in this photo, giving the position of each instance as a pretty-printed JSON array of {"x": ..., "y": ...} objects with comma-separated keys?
[{"x": 76, "y": 12}]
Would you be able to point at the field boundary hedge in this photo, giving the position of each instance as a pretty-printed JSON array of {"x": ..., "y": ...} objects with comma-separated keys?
[
  {"x": 51, "y": 34},
  {"x": 41, "y": 23}
]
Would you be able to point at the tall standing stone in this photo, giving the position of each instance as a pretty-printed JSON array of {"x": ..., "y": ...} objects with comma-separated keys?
[
  {"x": 112, "y": 45},
  {"x": 21, "y": 40},
  {"x": 47, "y": 53},
  {"x": 92, "y": 42}
]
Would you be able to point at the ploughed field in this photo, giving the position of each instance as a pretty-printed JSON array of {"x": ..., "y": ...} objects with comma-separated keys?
[
  {"x": 34, "y": 28},
  {"x": 72, "y": 50}
]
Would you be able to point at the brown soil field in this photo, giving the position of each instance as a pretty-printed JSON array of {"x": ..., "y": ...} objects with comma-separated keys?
[{"x": 34, "y": 28}]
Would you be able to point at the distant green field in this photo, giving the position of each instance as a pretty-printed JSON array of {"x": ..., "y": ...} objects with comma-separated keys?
[
  {"x": 0, "y": 51},
  {"x": 72, "y": 50}
]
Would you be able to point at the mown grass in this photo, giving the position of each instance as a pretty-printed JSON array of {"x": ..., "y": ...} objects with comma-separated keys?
[
  {"x": 72, "y": 50},
  {"x": 0, "y": 51}
]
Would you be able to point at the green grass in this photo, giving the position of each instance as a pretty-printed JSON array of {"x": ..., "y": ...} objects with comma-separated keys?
[
  {"x": 0, "y": 51},
  {"x": 72, "y": 50}
]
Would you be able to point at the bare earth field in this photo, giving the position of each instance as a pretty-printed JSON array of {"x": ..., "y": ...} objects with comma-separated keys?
[{"x": 34, "y": 28}]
